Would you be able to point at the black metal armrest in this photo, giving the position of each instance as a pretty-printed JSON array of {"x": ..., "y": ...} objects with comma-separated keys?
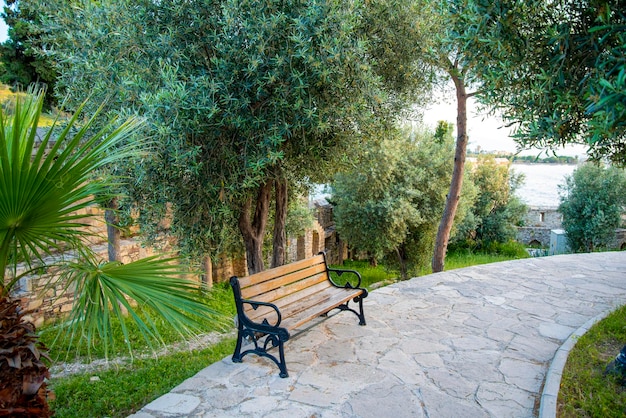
[
  {"x": 255, "y": 304},
  {"x": 339, "y": 272}
]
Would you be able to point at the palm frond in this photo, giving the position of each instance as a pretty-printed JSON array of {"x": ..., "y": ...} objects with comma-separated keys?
[{"x": 105, "y": 291}]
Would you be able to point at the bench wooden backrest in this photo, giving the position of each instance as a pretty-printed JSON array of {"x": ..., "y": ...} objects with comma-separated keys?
[{"x": 286, "y": 284}]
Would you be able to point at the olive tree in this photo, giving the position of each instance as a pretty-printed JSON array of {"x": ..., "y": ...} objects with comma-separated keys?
[
  {"x": 563, "y": 76},
  {"x": 238, "y": 94},
  {"x": 389, "y": 203},
  {"x": 446, "y": 39},
  {"x": 552, "y": 69}
]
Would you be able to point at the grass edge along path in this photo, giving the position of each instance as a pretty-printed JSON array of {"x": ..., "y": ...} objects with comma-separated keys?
[
  {"x": 585, "y": 389},
  {"x": 122, "y": 391}
]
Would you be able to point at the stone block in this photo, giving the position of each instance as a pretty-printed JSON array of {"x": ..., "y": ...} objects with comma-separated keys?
[
  {"x": 174, "y": 403},
  {"x": 34, "y": 304}
]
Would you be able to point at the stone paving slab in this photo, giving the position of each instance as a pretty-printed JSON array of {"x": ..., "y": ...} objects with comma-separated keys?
[{"x": 473, "y": 342}]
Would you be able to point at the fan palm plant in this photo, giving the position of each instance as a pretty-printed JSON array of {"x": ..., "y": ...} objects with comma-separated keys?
[{"x": 43, "y": 187}]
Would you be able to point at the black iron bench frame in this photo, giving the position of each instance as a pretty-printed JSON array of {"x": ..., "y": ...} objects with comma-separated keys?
[{"x": 275, "y": 302}]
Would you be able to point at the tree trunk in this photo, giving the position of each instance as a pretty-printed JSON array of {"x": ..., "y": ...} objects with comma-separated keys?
[
  {"x": 114, "y": 234},
  {"x": 280, "y": 218},
  {"x": 207, "y": 276},
  {"x": 340, "y": 245},
  {"x": 402, "y": 261},
  {"x": 253, "y": 230},
  {"x": 454, "y": 194}
]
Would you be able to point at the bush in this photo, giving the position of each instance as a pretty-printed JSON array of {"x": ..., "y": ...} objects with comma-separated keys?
[{"x": 592, "y": 204}]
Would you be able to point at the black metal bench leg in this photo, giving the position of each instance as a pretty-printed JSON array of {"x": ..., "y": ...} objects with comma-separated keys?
[
  {"x": 361, "y": 314},
  {"x": 237, "y": 354},
  {"x": 282, "y": 365}
]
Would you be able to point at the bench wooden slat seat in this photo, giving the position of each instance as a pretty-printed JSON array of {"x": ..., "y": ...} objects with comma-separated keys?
[{"x": 275, "y": 302}]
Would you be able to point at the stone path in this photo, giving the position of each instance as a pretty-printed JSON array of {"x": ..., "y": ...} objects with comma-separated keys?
[{"x": 473, "y": 342}]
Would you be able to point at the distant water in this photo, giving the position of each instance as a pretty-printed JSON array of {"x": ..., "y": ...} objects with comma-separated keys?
[
  {"x": 540, "y": 186},
  {"x": 541, "y": 182}
]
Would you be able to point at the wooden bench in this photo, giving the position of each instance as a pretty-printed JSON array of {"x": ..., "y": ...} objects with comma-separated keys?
[{"x": 273, "y": 303}]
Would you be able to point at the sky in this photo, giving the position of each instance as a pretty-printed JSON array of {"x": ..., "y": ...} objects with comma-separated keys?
[{"x": 484, "y": 131}]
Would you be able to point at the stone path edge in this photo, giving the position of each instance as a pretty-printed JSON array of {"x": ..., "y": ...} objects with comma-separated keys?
[{"x": 552, "y": 384}]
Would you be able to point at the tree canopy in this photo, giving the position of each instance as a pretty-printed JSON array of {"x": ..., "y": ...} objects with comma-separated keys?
[{"x": 562, "y": 72}]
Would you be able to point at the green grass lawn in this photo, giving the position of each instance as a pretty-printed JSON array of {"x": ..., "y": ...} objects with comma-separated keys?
[
  {"x": 585, "y": 389},
  {"x": 454, "y": 260},
  {"x": 122, "y": 391},
  {"x": 464, "y": 258},
  {"x": 369, "y": 275}
]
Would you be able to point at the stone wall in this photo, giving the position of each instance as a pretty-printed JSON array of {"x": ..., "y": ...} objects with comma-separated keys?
[
  {"x": 47, "y": 296},
  {"x": 620, "y": 239},
  {"x": 228, "y": 267},
  {"x": 538, "y": 223},
  {"x": 534, "y": 236},
  {"x": 306, "y": 245},
  {"x": 543, "y": 217}
]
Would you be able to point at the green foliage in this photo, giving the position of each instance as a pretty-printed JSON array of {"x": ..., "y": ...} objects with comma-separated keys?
[
  {"x": 123, "y": 391},
  {"x": 299, "y": 217},
  {"x": 444, "y": 130},
  {"x": 390, "y": 202},
  {"x": 592, "y": 204},
  {"x": 41, "y": 190},
  {"x": 585, "y": 389},
  {"x": 397, "y": 42},
  {"x": 496, "y": 212},
  {"x": 561, "y": 73}
]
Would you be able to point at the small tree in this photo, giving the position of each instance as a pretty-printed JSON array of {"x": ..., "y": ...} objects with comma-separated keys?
[
  {"x": 592, "y": 204},
  {"x": 389, "y": 204}
]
